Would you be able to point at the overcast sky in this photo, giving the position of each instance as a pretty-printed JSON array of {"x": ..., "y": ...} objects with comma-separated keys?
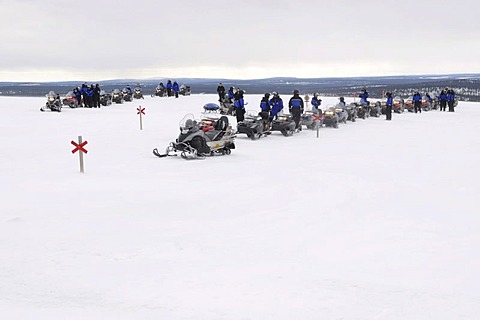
[{"x": 98, "y": 40}]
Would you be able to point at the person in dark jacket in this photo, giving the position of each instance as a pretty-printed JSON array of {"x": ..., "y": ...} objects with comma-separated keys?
[
  {"x": 239, "y": 105},
  {"x": 221, "y": 92},
  {"x": 388, "y": 106},
  {"x": 265, "y": 111},
  {"x": 175, "y": 88},
  {"x": 276, "y": 104},
  {"x": 296, "y": 106},
  {"x": 443, "y": 100},
  {"x": 417, "y": 102},
  {"x": 169, "y": 88},
  {"x": 96, "y": 96},
  {"x": 451, "y": 100}
]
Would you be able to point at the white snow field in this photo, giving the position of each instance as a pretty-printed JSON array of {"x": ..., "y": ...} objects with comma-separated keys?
[{"x": 373, "y": 220}]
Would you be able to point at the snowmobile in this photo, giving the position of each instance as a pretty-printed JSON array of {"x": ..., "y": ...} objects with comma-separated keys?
[
  {"x": 330, "y": 117},
  {"x": 409, "y": 104},
  {"x": 311, "y": 119},
  {"x": 376, "y": 109},
  {"x": 53, "y": 102},
  {"x": 137, "y": 93},
  {"x": 253, "y": 125},
  {"x": 127, "y": 95},
  {"x": 198, "y": 140},
  {"x": 70, "y": 100},
  {"x": 342, "y": 113},
  {"x": 117, "y": 96},
  {"x": 284, "y": 123},
  {"x": 398, "y": 105},
  {"x": 363, "y": 110},
  {"x": 352, "y": 111},
  {"x": 160, "y": 92},
  {"x": 227, "y": 107},
  {"x": 184, "y": 90},
  {"x": 105, "y": 98}
]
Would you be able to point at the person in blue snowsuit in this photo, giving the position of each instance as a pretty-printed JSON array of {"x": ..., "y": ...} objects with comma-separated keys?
[
  {"x": 175, "y": 88},
  {"x": 89, "y": 93},
  {"x": 389, "y": 106},
  {"x": 83, "y": 91},
  {"x": 417, "y": 102},
  {"x": 169, "y": 88},
  {"x": 230, "y": 94},
  {"x": 276, "y": 104},
  {"x": 364, "y": 97},
  {"x": 265, "y": 111},
  {"x": 78, "y": 96},
  {"x": 316, "y": 102},
  {"x": 296, "y": 106},
  {"x": 239, "y": 105},
  {"x": 451, "y": 100}
]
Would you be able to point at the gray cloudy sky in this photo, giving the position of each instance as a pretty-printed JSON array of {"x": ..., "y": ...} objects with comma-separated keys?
[{"x": 104, "y": 39}]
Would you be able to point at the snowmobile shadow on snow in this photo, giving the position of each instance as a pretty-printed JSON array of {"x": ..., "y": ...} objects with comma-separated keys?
[{"x": 200, "y": 139}]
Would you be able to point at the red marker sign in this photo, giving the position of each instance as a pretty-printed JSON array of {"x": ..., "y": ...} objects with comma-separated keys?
[
  {"x": 79, "y": 146},
  {"x": 140, "y": 112}
]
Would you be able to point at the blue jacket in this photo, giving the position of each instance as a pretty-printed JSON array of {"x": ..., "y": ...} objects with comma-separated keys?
[
  {"x": 265, "y": 104},
  {"x": 363, "y": 97},
  {"x": 316, "y": 102},
  {"x": 295, "y": 102},
  {"x": 230, "y": 94},
  {"x": 416, "y": 97},
  {"x": 239, "y": 104},
  {"x": 442, "y": 96},
  {"x": 451, "y": 96},
  {"x": 277, "y": 106},
  {"x": 175, "y": 87},
  {"x": 169, "y": 85},
  {"x": 389, "y": 102}
]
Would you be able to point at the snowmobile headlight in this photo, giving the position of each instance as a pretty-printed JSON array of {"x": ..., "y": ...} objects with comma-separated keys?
[{"x": 329, "y": 113}]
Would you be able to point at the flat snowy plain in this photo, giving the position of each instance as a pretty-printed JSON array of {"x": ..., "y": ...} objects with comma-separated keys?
[{"x": 374, "y": 220}]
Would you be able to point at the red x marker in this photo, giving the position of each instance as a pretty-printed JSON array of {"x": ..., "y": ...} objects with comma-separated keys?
[
  {"x": 140, "y": 110},
  {"x": 79, "y": 146}
]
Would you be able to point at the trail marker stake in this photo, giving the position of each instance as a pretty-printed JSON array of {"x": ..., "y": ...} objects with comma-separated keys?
[
  {"x": 80, "y": 147},
  {"x": 141, "y": 111}
]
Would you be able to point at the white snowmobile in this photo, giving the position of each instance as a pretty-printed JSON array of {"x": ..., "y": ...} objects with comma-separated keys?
[
  {"x": 197, "y": 140},
  {"x": 53, "y": 102}
]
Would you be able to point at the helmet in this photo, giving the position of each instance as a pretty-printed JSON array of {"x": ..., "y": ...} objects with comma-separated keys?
[
  {"x": 295, "y": 92},
  {"x": 267, "y": 95},
  {"x": 275, "y": 93},
  {"x": 342, "y": 99},
  {"x": 316, "y": 94}
]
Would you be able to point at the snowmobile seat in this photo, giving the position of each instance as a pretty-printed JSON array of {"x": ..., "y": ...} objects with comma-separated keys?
[{"x": 219, "y": 130}]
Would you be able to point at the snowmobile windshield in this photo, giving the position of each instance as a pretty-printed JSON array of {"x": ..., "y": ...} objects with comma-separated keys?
[
  {"x": 102, "y": 92},
  {"x": 51, "y": 94},
  {"x": 188, "y": 122},
  {"x": 116, "y": 91},
  {"x": 70, "y": 94}
]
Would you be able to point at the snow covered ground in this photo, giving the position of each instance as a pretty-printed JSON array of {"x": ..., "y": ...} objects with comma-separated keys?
[{"x": 374, "y": 220}]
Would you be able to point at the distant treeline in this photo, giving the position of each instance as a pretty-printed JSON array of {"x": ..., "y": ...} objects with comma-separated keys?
[{"x": 467, "y": 87}]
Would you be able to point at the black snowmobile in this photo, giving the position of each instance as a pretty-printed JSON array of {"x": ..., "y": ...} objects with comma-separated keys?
[
  {"x": 285, "y": 124},
  {"x": 160, "y": 92},
  {"x": 312, "y": 118},
  {"x": 137, "y": 93},
  {"x": 254, "y": 126},
  {"x": 352, "y": 111},
  {"x": 330, "y": 117},
  {"x": 105, "y": 98},
  {"x": 198, "y": 140},
  {"x": 127, "y": 94},
  {"x": 53, "y": 102},
  {"x": 185, "y": 90},
  {"x": 376, "y": 109},
  {"x": 117, "y": 96}
]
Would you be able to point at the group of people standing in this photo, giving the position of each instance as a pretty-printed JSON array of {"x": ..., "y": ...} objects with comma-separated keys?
[
  {"x": 447, "y": 97},
  {"x": 171, "y": 89},
  {"x": 88, "y": 96}
]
